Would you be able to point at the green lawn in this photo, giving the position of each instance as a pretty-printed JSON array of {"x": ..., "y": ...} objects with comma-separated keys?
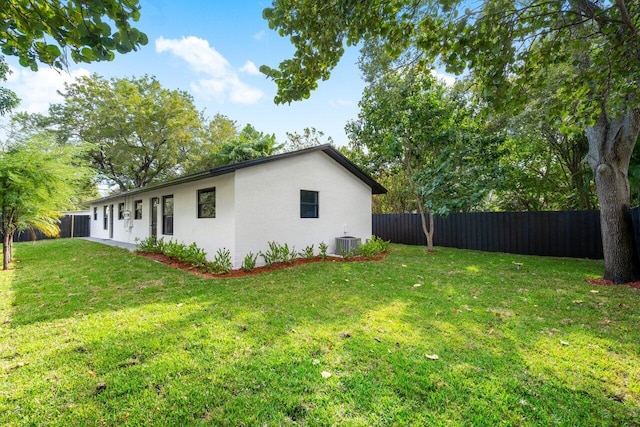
[{"x": 94, "y": 335}]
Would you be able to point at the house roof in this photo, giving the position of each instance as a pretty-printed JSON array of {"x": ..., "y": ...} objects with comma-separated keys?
[{"x": 336, "y": 155}]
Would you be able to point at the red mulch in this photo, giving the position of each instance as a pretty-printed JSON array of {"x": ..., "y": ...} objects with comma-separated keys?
[
  {"x": 604, "y": 282},
  {"x": 171, "y": 262}
]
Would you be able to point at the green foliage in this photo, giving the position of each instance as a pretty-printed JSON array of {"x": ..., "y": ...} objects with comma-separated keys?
[
  {"x": 323, "y": 247},
  {"x": 373, "y": 247},
  {"x": 249, "y": 144},
  {"x": 221, "y": 263},
  {"x": 138, "y": 131},
  {"x": 38, "y": 179},
  {"x": 311, "y": 137},
  {"x": 8, "y": 99},
  {"x": 307, "y": 253},
  {"x": 151, "y": 244},
  {"x": 249, "y": 262},
  {"x": 278, "y": 253},
  {"x": 420, "y": 132},
  {"x": 51, "y": 31},
  {"x": 190, "y": 254},
  {"x": 220, "y": 130}
]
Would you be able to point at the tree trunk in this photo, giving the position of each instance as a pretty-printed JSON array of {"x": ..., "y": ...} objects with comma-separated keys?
[
  {"x": 6, "y": 251},
  {"x": 611, "y": 143},
  {"x": 428, "y": 232}
]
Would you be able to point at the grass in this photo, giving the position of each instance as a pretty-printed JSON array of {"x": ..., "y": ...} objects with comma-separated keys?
[{"x": 93, "y": 335}]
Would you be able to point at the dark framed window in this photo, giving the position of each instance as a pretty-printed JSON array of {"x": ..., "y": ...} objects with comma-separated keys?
[
  {"x": 105, "y": 217},
  {"x": 120, "y": 210},
  {"x": 95, "y": 213},
  {"x": 207, "y": 203},
  {"x": 309, "y": 204},
  {"x": 137, "y": 213},
  {"x": 167, "y": 215}
]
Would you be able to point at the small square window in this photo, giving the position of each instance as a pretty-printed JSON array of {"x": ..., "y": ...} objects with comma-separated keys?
[
  {"x": 207, "y": 203},
  {"x": 138, "y": 209},
  {"x": 120, "y": 210},
  {"x": 309, "y": 204}
]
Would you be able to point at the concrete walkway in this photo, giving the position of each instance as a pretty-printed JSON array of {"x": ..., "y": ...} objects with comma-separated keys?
[{"x": 125, "y": 245}]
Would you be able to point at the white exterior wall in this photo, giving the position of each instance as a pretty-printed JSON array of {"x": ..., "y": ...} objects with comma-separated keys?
[
  {"x": 209, "y": 234},
  {"x": 268, "y": 204},
  {"x": 254, "y": 205}
]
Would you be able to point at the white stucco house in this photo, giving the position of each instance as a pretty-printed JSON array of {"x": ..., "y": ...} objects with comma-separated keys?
[{"x": 300, "y": 198}]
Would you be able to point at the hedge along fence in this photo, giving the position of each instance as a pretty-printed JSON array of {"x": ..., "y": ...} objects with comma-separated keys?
[
  {"x": 573, "y": 234},
  {"x": 70, "y": 226}
]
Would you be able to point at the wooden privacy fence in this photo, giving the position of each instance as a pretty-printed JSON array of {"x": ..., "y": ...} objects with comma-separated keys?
[
  {"x": 70, "y": 226},
  {"x": 573, "y": 234}
]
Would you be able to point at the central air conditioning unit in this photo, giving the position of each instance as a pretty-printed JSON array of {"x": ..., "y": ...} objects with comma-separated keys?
[{"x": 347, "y": 244}]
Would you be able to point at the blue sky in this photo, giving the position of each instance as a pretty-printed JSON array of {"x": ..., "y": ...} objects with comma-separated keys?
[{"x": 212, "y": 49}]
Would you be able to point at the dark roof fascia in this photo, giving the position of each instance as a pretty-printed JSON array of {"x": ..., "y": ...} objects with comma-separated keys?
[
  {"x": 336, "y": 155},
  {"x": 188, "y": 178}
]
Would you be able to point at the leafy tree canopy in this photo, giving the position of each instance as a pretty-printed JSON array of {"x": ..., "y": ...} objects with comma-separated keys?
[
  {"x": 249, "y": 144},
  {"x": 38, "y": 179},
  {"x": 310, "y": 137},
  {"x": 42, "y": 30},
  {"x": 8, "y": 99},
  {"x": 138, "y": 131}
]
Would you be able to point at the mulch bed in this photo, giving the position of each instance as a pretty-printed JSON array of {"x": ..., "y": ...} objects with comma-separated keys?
[
  {"x": 604, "y": 282},
  {"x": 171, "y": 262}
]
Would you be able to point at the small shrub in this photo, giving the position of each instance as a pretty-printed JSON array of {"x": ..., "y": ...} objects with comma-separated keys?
[
  {"x": 194, "y": 255},
  {"x": 288, "y": 255},
  {"x": 307, "y": 253},
  {"x": 249, "y": 262},
  {"x": 373, "y": 247},
  {"x": 349, "y": 254},
  {"x": 173, "y": 249},
  {"x": 221, "y": 262},
  {"x": 150, "y": 244},
  {"x": 273, "y": 254},
  {"x": 323, "y": 250}
]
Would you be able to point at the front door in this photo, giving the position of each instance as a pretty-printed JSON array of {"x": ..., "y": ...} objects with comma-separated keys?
[
  {"x": 154, "y": 216},
  {"x": 111, "y": 222}
]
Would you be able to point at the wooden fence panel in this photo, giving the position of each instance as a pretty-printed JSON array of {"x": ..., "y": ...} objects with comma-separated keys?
[{"x": 573, "y": 234}]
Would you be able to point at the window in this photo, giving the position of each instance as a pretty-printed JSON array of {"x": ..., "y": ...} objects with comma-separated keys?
[
  {"x": 120, "y": 210},
  {"x": 137, "y": 209},
  {"x": 105, "y": 217},
  {"x": 207, "y": 203},
  {"x": 309, "y": 207},
  {"x": 95, "y": 213},
  {"x": 167, "y": 215}
]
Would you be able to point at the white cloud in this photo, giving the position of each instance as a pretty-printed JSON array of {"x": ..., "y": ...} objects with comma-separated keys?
[
  {"x": 37, "y": 90},
  {"x": 448, "y": 79},
  {"x": 221, "y": 81},
  {"x": 250, "y": 68},
  {"x": 259, "y": 35},
  {"x": 340, "y": 103}
]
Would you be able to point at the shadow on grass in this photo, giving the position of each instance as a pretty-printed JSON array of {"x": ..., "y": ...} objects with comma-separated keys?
[{"x": 117, "y": 338}]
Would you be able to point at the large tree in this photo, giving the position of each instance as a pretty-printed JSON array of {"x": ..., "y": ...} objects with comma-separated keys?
[
  {"x": 46, "y": 30},
  {"x": 139, "y": 132},
  {"x": 508, "y": 46},
  {"x": 414, "y": 127},
  {"x": 38, "y": 179}
]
